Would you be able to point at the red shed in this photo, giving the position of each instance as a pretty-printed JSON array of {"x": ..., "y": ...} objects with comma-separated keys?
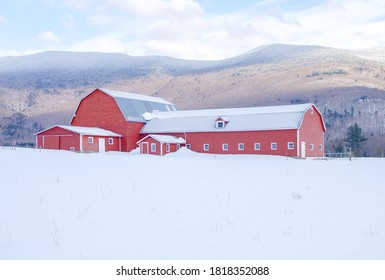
[
  {"x": 160, "y": 144},
  {"x": 120, "y": 112},
  {"x": 79, "y": 139},
  {"x": 292, "y": 130}
]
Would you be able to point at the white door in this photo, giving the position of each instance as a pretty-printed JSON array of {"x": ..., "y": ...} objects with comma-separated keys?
[
  {"x": 303, "y": 149},
  {"x": 102, "y": 145}
]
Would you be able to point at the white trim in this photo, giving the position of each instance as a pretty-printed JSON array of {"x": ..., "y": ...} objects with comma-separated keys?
[
  {"x": 188, "y": 146},
  {"x": 298, "y": 147},
  {"x": 223, "y": 147},
  {"x": 112, "y": 141},
  {"x": 288, "y": 145},
  {"x": 204, "y": 147},
  {"x": 168, "y": 147},
  {"x": 81, "y": 143},
  {"x": 90, "y": 140},
  {"x": 151, "y": 147},
  {"x": 255, "y": 146},
  {"x": 239, "y": 146},
  {"x": 311, "y": 147},
  {"x": 273, "y": 144}
]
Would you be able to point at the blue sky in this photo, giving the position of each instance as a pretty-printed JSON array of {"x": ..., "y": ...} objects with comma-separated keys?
[{"x": 191, "y": 29}]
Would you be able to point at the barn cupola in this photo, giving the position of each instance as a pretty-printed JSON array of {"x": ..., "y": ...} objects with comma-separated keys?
[{"x": 221, "y": 122}]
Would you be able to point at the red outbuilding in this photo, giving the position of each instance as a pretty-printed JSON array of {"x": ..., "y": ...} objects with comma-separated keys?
[
  {"x": 117, "y": 111},
  {"x": 160, "y": 144},
  {"x": 78, "y": 139},
  {"x": 292, "y": 130}
]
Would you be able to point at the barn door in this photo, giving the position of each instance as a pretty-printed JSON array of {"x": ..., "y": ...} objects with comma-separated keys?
[
  {"x": 102, "y": 145},
  {"x": 144, "y": 148},
  {"x": 303, "y": 149}
]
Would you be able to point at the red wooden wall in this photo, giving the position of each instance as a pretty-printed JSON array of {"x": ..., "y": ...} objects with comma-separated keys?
[
  {"x": 100, "y": 110},
  {"x": 312, "y": 131},
  {"x": 58, "y": 139}
]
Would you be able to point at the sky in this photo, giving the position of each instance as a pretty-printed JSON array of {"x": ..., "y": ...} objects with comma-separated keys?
[{"x": 188, "y": 29}]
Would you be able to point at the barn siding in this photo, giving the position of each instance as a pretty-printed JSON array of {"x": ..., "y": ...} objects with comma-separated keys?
[
  {"x": 58, "y": 138},
  {"x": 248, "y": 138},
  {"x": 94, "y": 147},
  {"x": 100, "y": 110},
  {"x": 312, "y": 132}
]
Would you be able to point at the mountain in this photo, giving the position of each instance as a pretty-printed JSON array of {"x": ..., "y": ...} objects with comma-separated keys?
[{"x": 348, "y": 86}]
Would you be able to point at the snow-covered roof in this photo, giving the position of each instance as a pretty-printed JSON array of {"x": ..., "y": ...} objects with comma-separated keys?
[
  {"x": 83, "y": 130},
  {"x": 165, "y": 139},
  {"x": 239, "y": 119},
  {"x": 133, "y": 105}
]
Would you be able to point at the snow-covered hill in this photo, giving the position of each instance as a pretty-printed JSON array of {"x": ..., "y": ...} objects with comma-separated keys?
[{"x": 63, "y": 205}]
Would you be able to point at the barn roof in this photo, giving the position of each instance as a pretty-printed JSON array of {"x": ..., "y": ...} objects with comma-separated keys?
[
  {"x": 133, "y": 105},
  {"x": 239, "y": 119},
  {"x": 165, "y": 139},
  {"x": 83, "y": 130}
]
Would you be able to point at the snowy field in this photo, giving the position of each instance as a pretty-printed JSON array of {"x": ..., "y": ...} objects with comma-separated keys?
[{"x": 64, "y": 205}]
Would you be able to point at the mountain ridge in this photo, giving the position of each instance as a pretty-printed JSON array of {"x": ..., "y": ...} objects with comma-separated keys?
[{"x": 336, "y": 80}]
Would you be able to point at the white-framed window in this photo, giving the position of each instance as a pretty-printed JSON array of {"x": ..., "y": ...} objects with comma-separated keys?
[
  {"x": 290, "y": 145},
  {"x": 320, "y": 147},
  {"x": 225, "y": 147},
  {"x": 72, "y": 149},
  {"x": 206, "y": 147},
  {"x": 220, "y": 124},
  {"x": 188, "y": 146},
  {"x": 311, "y": 147},
  {"x": 177, "y": 147},
  {"x": 311, "y": 110},
  {"x": 274, "y": 146},
  {"x": 153, "y": 147},
  {"x": 257, "y": 146},
  {"x": 111, "y": 141},
  {"x": 90, "y": 140},
  {"x": 241, "y": 146},
  {"x": 167, "y": 147}
]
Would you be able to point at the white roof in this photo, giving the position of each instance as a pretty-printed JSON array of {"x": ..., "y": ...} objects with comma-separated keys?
[
  {"x": 83, "y": 130},
  {"x": 165, "y": 139},
  {"x": 239, "y": 119},
  {"x": 129, "y": 95}
]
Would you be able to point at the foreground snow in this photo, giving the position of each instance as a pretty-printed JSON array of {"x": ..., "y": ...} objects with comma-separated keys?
[{"x": 63, "y": 205}]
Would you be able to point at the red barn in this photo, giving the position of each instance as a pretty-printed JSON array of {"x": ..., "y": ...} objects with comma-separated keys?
[
  {"x": 120, "y": 112},
  {"x": 79, "y": 139},
  {"x": 293, "y": 130},
  {"x": 108, "y": 116},
  {"x": 160, "y": 144}
]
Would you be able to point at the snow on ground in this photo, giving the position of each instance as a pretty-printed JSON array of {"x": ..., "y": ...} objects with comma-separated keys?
[{"x": 64, "y": 205}]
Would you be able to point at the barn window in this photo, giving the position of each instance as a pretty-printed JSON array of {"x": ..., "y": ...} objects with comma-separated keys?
[
  {"x": 257, "y": 146},
  {"x": 111, "y": 141},
  {"x": 290, "y": 145},
  {"x": 188, "y": 146},
  {"x": 225, "y": 147},
  {"x": 311, "y": 110},
  {"x": 177, "y": 147},
  {"x": 206, "y": 147},
  {"x": 274, "y": 146},
  {"x": 312, "y": 147},
  {"x": 153, "y": 148},
  {"x": 72, "y": 149},
  {"x": 320, "y": 147},
  {"x": 241, "y": 147},
  {"x": 167, "y": 148},
  {"x": 90, "y": 140},
  {"x": 220, "y": 124}
]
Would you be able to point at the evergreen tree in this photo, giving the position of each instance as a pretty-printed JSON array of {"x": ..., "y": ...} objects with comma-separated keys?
[{"x": 354, "y": 138}]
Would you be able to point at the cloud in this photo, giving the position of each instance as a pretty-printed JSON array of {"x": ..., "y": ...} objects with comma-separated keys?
[
  {"x": 48, "y": 36},
  {"x": 2, "y": 19},
  {"x": 69, "y": 22},
  {"x": 158, "y": 7},
  {"x": 99, "y": 19}
]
